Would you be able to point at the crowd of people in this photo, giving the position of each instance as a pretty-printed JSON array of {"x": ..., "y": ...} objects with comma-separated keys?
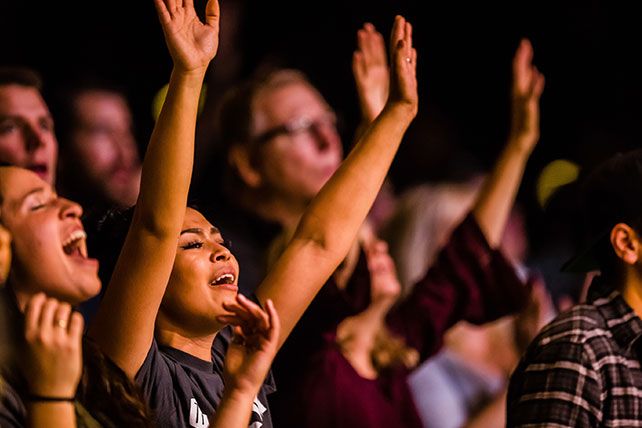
[{"x": 123, "y": 303}]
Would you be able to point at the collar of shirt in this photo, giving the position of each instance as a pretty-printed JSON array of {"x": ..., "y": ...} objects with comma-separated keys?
[{"x": 623, "y": 323}]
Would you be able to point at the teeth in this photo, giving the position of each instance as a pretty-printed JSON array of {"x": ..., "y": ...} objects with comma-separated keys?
[
  {"x": 226, "y": 278},
  {"x": 72, "y": 239}
]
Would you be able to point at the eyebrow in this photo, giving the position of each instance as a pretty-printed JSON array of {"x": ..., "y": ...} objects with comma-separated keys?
[
  {"x": 199, "y": 231},
  {"x": 31, "y": 192},
  {"x": 46, "y": 115},
  {"x": 17, "y": 203}
]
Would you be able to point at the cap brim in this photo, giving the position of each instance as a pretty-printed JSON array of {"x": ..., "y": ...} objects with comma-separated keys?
[{"x": 586, "y": 260}]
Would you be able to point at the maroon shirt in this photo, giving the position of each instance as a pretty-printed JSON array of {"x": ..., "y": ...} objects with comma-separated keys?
[{"x": 319, "y": 388}]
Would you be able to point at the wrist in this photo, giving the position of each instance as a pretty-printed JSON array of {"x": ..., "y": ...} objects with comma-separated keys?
[
  {"x": 196, "y": 75},
  {"x": 522, "y": 143},
  {"x": 241, "y": 394}
]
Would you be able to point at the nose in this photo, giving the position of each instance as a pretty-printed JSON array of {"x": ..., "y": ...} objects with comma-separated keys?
[
  {"x": 69, "y": 209},
  {"x": 126, "y": 148},
  {"x": 34, "y": 137},
  {"x": 326, "y": 135},
  {"x": 220, "y": 253}
]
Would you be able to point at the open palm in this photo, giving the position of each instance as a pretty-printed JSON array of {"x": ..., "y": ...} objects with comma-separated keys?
[{"x": 191, "y": 43}]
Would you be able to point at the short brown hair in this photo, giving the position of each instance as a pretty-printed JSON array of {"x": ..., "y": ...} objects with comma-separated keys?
[{"x": 24, "y": 76}]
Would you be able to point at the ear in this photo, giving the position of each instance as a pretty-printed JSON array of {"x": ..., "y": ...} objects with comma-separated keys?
[
  {"x": 626, "y": 243},
  {"x": 240, "y": 158}
]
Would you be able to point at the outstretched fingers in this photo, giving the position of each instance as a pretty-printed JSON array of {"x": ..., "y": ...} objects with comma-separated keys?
[
  {"x": 248, "y": 314},
  {"x": 523, "y": 70},
  {"x": 163, "y": 8},
  {"x": 212, "y": 13}
]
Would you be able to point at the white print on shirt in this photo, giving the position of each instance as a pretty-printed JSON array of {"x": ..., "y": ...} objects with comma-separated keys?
[
  {"x": 259, "y": 409},
  {"x": 197, "y": 418}
]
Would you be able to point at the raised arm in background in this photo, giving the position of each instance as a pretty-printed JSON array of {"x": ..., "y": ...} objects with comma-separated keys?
[
  {"x": 124, "y": 324},
  {"x": 497, "y": 196}
]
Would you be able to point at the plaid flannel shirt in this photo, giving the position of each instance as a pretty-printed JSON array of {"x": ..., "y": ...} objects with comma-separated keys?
[{"x": 583, "y": 369}]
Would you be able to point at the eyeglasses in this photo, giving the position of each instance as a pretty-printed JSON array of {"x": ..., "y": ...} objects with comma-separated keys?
[{"x": 298, "y": 126}]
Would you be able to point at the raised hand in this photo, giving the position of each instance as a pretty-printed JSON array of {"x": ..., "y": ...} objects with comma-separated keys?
[
  {"x": 370, "y": 70},
  {"x": 403, "y": 66},
  {"x": 254, "y": 346},
  {"x": 52, "y": 358},
  {"x": 528, "y": 84},
  {"x": 191, "y": 43}
]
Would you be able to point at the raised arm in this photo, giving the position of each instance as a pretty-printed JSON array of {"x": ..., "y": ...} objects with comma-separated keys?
[
  {"x": 329, "y": 226},
  {"x": 498, "y": 193},
  {"x": 124, "y": 324}
]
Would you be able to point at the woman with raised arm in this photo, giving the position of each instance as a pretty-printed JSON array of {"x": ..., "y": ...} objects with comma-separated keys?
[{"x": 181, "y": 366}]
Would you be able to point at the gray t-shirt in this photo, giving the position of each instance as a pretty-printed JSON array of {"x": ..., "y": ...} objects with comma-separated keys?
[{"x": 184, "y": 391}]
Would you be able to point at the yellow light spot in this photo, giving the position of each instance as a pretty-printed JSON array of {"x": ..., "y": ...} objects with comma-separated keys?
[
  {"x": 159, "y": 99},
  {"x": 553, "y": 176}
]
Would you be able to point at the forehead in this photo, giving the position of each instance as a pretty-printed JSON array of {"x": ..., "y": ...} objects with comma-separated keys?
[
  {"x": 287, "y": 101},
  {"x": 194, "y": 219},
  {"x": 98, "y": 100},
  {"x": 21, "y": 100},
  {"x": 16, "y": 182}
]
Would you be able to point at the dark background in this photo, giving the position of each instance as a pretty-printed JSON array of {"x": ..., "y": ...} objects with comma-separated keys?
[{"x": 588, "y": 51}]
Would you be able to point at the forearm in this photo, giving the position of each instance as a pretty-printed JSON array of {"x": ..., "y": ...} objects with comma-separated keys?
[
  {"x": 335, "y": 215},
  {"x": 123, "y": 326},
  {"x": 234, "y": 410},
  {"x": 497, "y": 196},
  {"x": 54, "y": 414},
  {"x": 168, "y": 162}
]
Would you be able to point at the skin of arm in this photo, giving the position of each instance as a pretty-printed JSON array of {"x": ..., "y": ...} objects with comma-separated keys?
[
  {"x": 52, "y": 360},
  {"x": 498, "y": 193},
  {"x": 123, "y": 327},
  {"x": 331, "y": 222}
]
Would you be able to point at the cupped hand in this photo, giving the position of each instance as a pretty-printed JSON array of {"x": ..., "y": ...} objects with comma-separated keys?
[{"x": 191, "y": 43}]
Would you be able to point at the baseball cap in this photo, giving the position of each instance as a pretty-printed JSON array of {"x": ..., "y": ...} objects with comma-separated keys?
[{"x": 610, "y": 194}]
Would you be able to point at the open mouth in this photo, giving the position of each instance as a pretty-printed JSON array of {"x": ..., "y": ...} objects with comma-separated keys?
[
  {"x": 74, "y": 245},
  {"x": 225, "y": 279},
  {"x": 40, "y": 169}
]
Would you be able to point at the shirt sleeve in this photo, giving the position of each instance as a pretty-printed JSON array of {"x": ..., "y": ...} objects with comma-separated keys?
[
  {"x": 155, "y": 379},
  {"x": 469, "y": 281},
  {"x": 555, "y": 385}
]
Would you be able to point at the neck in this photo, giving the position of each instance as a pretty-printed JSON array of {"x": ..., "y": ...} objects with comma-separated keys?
[
  {"x": 199, "y": 347},
  {"x": 632, "y": 291},
  {"x": 24, "y": 291}
]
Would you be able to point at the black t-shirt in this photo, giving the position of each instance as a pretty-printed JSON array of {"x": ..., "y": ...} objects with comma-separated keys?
[
  {"x": 184, "y": 391},
  {"x": 12, "y": 409}
]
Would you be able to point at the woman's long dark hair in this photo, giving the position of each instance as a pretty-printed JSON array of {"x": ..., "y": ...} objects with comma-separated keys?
[{"x": 108, "y": 394}]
